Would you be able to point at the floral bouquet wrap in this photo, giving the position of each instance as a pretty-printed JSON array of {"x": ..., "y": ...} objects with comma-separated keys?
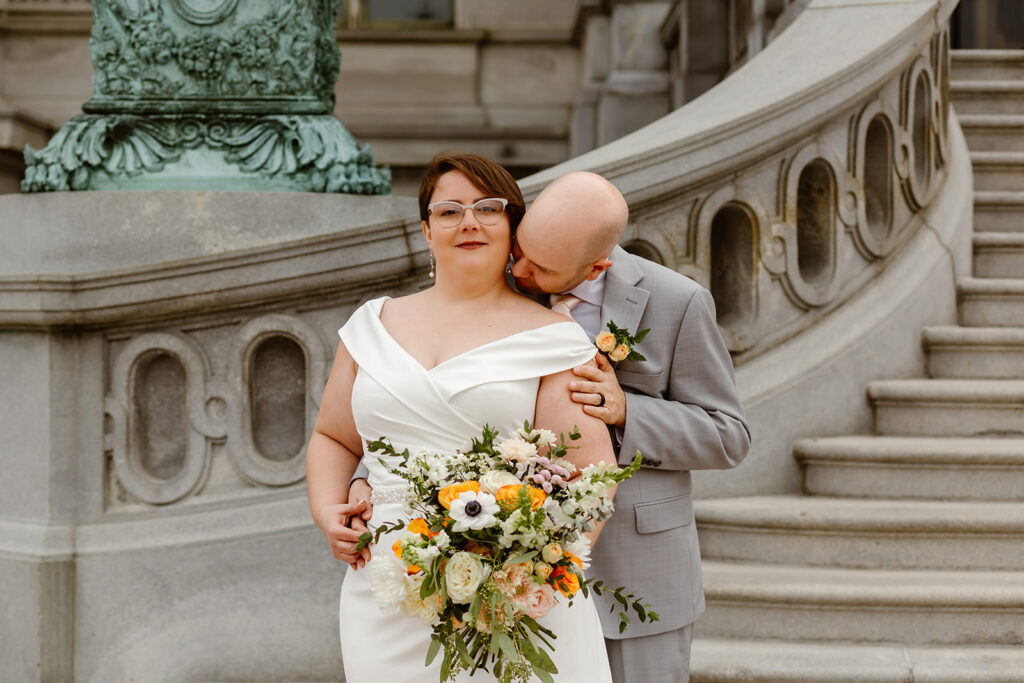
[{"x": 496, "y": 540}]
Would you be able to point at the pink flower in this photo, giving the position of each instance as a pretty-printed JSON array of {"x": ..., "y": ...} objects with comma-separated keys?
[{"x": 536, "y": 601}]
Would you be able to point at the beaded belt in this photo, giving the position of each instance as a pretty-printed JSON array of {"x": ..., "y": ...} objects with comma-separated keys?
[{"x": 389, "y": 495}]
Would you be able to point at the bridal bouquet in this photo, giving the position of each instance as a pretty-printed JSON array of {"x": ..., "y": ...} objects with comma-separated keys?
[{"x": 497, "y": 540}]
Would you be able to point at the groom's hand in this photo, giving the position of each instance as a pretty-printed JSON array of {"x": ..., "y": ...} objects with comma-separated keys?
[
  {"x": 358, "y": 491},
  {"x": 595, "y": 382}
]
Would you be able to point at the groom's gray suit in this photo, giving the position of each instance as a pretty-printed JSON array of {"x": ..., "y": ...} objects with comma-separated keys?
[{"x": 682, "y": 413}]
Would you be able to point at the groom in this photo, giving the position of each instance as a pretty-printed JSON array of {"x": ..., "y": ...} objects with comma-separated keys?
[{"x": 679, "y": 408}]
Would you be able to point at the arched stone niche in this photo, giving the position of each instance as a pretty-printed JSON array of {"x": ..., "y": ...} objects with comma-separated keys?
[
  {"x": 942, "y": 102},
  {"x": 277, "y": 370},
  {"x": 816, "y": 196},
  {"x": 733, "y": 277},
  {"x": 920, "y": 130},
  {"x": 157, "y": 411},
  {"x": 816, "y": 222},
  {"x": 878, "y": 178},
  {"x": 915, "y": 165},
  {"x": 873, "y": 148},
  {"x": 728, "y": 234},
  {"x": 644, "y": 249}
]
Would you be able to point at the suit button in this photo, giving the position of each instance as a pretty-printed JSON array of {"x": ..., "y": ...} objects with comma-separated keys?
[{"x": 656, "y": 463}]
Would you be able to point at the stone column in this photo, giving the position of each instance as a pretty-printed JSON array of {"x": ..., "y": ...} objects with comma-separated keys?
[{"x": 625, "y": 71}]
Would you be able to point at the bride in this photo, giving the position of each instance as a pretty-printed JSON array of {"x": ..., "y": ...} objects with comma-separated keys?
[{"x": 428, "y": 371}]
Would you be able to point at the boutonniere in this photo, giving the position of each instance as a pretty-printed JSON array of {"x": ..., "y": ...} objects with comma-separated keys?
[{"x": 617, "y": 343}]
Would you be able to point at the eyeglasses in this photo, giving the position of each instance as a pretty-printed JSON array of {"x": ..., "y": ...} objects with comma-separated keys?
[{"x": 450, "y": 214}]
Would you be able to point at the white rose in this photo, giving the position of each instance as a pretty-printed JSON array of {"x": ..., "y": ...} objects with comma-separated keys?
[
  {"x": 426, "y": 610},
  {"x": 495, "y": 479},
  {"x": 515, "y": 449},
  {"x": 463, "y": 576},
  {"x": 552, "y": 553}
]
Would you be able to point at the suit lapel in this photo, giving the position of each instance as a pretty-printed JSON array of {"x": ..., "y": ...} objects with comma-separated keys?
[{"x": 624, "y": 302}]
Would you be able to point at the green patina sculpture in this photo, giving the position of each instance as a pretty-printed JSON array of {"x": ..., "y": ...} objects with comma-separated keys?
[{"x": 209, "y": 94}]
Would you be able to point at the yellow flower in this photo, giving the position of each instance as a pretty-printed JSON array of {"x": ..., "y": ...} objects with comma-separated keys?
[
  {"x": 619, "y": 353},
  {"x": 605, "y": 341},
  {"x": 450, "y": 493},
  {"x": 565, "y": 581},
  {"x": 419, "y": 526},
  {"x": 572, "y": 558},
  {"x": 542, "y": 569},
  {"x": 508, "y": 496}
]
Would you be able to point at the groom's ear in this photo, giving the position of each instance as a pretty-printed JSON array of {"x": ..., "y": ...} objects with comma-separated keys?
[{"x": 598, "y": 267}]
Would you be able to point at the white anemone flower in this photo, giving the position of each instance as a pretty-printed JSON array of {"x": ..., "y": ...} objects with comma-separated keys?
[{"x": 472, "y": 510}]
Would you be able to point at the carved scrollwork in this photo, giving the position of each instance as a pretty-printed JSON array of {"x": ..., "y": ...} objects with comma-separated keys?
[
  {"x": 245, "y": 446},
  {"x": 728, "y": 231},
  {"x": 917, "y": 95},
  {"x": 148, "y": 409},
  {"x": 311, "y": 153},
  {"x": 289, "y": 51},
  {"x": 815, "y": 194}
]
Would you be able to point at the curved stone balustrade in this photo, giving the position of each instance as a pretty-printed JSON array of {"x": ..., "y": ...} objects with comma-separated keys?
[
  {"x": 168, "y": 349},
  {"x": 827, "y": 172}
]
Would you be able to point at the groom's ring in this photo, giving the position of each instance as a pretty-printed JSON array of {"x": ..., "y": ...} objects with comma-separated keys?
[{"x": 602, "y": 399}]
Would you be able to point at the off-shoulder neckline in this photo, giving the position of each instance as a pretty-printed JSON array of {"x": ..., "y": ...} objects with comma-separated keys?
[{"x": 380, "y": 307}]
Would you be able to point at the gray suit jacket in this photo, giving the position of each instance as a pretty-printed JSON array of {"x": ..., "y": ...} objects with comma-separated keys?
[{"x": 683, "y": 413}]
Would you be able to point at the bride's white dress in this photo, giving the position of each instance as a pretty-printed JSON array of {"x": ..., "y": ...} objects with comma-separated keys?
[{"x": 443, "y": 408}]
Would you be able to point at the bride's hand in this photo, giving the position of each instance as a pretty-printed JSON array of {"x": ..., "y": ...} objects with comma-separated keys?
[{"x": 334, "y": 521}]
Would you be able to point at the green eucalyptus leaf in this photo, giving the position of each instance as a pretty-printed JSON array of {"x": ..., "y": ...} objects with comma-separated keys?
[{"x": 435, "y": 647}]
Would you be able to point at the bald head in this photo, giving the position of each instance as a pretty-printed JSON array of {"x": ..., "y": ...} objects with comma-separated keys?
[
  {"x": 569, "y": 232},
  {"x": 585, "y": 210}
]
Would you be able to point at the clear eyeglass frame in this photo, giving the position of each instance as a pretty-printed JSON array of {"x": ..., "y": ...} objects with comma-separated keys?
[{"x": 486, "y": 211}]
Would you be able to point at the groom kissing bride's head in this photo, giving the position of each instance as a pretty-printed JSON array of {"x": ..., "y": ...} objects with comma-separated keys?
[{"x": 565, "y": 238}]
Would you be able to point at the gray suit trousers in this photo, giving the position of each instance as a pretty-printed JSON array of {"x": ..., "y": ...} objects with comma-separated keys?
[{"x": 661, "y": 658}]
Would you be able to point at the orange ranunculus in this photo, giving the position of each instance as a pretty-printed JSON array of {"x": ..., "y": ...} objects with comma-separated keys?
[
  {"x": 450, "y": 493},
  {"x": 508, "y": 496},
  {"x": 572, "y": 558},
  {"x": 419, "y": 526},
  {"x": 566, "y": 581}
]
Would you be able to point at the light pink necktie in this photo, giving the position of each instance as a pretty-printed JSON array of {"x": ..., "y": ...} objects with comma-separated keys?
[{"x": 564, "y": 303}]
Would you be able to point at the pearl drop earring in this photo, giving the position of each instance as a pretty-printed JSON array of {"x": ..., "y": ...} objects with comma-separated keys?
[{"x": 431, "y": 273}]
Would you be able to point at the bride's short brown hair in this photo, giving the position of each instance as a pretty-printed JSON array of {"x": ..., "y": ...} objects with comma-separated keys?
[{"x": 490, "y": 178}]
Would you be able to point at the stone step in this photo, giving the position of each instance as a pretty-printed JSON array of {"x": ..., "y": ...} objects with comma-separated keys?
[
  {"x": 989, "y": 65},
  {"x": 910, "y": 606},
  {"x": 999, "y": 254},
  {"x": 974, "y": 352},
  {"x": 720, "y": 660},
  {"x": 987, "y": 96},
  {"x": 948, "y": 407},
  {"x": 862, "y": 532},
  {"x": 991, "y": 302},
  {"x": 998, "y": 171},
  {"x": 913, "y": 467},
  {"x": 993, "y": 132},
  {"x": 999, "y": 211}
]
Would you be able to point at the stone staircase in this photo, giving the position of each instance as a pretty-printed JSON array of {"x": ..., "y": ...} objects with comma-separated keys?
[{"x": 904, "y": 558}]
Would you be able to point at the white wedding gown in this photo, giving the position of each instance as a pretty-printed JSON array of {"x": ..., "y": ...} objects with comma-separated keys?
[{"x": 444, "y": 408}]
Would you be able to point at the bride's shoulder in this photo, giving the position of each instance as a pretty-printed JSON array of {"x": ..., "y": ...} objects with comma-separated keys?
[{"x": 529, "y": 313}]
